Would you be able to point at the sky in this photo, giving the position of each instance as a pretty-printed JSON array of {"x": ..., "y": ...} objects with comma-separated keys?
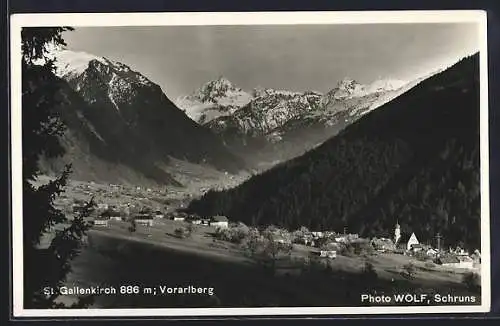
[{"x": 293, "y": 57}]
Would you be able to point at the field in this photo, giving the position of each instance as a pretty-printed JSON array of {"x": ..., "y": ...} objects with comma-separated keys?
[{"x": 155, "y": 256}]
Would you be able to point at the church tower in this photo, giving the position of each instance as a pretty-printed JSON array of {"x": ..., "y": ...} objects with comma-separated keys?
[{"x": 397, "y": 233}]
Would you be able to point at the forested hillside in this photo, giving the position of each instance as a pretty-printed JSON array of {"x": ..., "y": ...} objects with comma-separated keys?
[{"x": 414, "y": 160}]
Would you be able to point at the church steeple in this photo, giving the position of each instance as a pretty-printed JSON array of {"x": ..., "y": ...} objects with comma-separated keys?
[{"x": 397, "y": 233}]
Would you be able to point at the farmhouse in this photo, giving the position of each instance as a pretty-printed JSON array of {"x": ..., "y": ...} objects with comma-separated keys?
[
  {"x": 102, "y": 206},
  {"x": 219, "y": 221},
  {"x": 100, "y": 222},
  {"x": 111, "y": 215},
  {"x": 281, "y": 239},
  {"x": 306, "y": 240},
  {"x": 179, "y": 218},
  {"x": 383, "y": 244},
  {"x": 347, "y": 238},
  {"x": 324, "y": 253},
  {"x": 317, "y": 234},
  {"x": 77, "y": 208},
  {"x": 417, "y": 247},
  {"x": 328, "y": 253},
  {"x": 144, "y": 219},
  {"x": 448, "y": 261},
  {"x": 431, "y": 252}
]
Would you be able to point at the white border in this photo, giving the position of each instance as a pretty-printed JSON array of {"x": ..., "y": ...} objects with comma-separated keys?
[{"x": 238, "y": 18}]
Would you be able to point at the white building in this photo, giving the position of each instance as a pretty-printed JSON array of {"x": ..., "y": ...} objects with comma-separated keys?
[
  {"x": 144, "y": 221},
  {"x": 412, "y": 241},
  {"x": 100, "y": 222},
  {"x": 397, "y": 233},
  {"x": 328, "y": 253},
  {"x": 463, "y": 262},
  {"x": 317, "y": 234},
  {"x": 219, "y": 221},
  {"x": 102, "y": 206}
]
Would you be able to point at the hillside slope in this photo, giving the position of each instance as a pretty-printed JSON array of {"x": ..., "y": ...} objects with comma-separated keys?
[
  {"x": 414, "y": 160},
  {"x": 121, "y": 124}
]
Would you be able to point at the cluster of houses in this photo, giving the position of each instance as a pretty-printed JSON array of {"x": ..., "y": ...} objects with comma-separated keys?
[
  {"x": 329, "y": 243},
  {"x": 105, "y": 213}
]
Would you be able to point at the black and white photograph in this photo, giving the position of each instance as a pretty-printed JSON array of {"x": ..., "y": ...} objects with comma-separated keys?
[{"x": 212, "y": 164}]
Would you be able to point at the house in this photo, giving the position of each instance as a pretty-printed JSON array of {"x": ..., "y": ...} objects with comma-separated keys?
[
  {"x": 466, "y": 262},
  {"x": 347, "y": 238},
  {"x": 101, "y": 222},
  {"x": 102, "y": 206},
  {"x": 417, "y": 247},
  {"x": 280, "y": 239},
  {"x": 306, "y": 240},
  {"x": 144, "y": 219},
  {"x": 328, "y": 253},
  {"x": 332, "y": 246},
  {"x": 111, "y": 214},
  {"x": 324, "y": 253},
  {"x": 179, "y": 218},
  {"x": 448, "y": 261},
  {"x": 383, "y": 244},
  {"x": 317, "y": 234},
  {"x": 431, "y": 252},
  {"x": 159, "y": 214},
  {"x": 77, "y": 208},
  {"x": 219, "y": 221}
]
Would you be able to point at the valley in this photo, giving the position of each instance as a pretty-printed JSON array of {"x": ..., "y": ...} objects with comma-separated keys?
[{"x": 112, "y": 256}]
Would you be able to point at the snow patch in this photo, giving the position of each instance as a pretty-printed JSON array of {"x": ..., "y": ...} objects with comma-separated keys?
[{"x": 74, "y": 63}]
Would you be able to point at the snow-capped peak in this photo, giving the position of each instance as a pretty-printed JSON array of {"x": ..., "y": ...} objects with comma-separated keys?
[
  {"x": 385, "y": 85},
  {"x": 215, "y": 89},
  {"x": 74, "y": 63},
  {"x": 348, "y": 87},
  {"x": 348, "y": 84},
  {"x": 215, "y": 98}
]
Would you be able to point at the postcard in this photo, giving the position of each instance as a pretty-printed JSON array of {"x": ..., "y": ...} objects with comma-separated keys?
[{"x": 249, "y": 164}]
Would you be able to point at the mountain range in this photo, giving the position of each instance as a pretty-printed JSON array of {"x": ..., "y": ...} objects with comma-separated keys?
[
  {"x": 121, "y": 127},
  {"x": 266, "y": 126},
  {"x": 413, "y": 161}
]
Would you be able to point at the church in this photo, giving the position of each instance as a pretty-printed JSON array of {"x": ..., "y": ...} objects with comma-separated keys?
[{"x": 405, "y": 241}]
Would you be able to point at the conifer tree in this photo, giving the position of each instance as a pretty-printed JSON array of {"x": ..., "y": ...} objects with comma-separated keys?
[{"x": 41, "y": 128}]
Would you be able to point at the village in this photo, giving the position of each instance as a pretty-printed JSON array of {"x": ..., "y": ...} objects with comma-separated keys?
[
  {"x": 326, "y": 245},
  {"x": 124, "y": 218}
]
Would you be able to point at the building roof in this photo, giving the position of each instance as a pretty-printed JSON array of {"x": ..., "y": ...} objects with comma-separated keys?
[
  {"x": 143, "y": 217},
  {"x": 110, "y": 212},
  {"x": 219, "y": 218},
  {"x": 405, "y": 237}
]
